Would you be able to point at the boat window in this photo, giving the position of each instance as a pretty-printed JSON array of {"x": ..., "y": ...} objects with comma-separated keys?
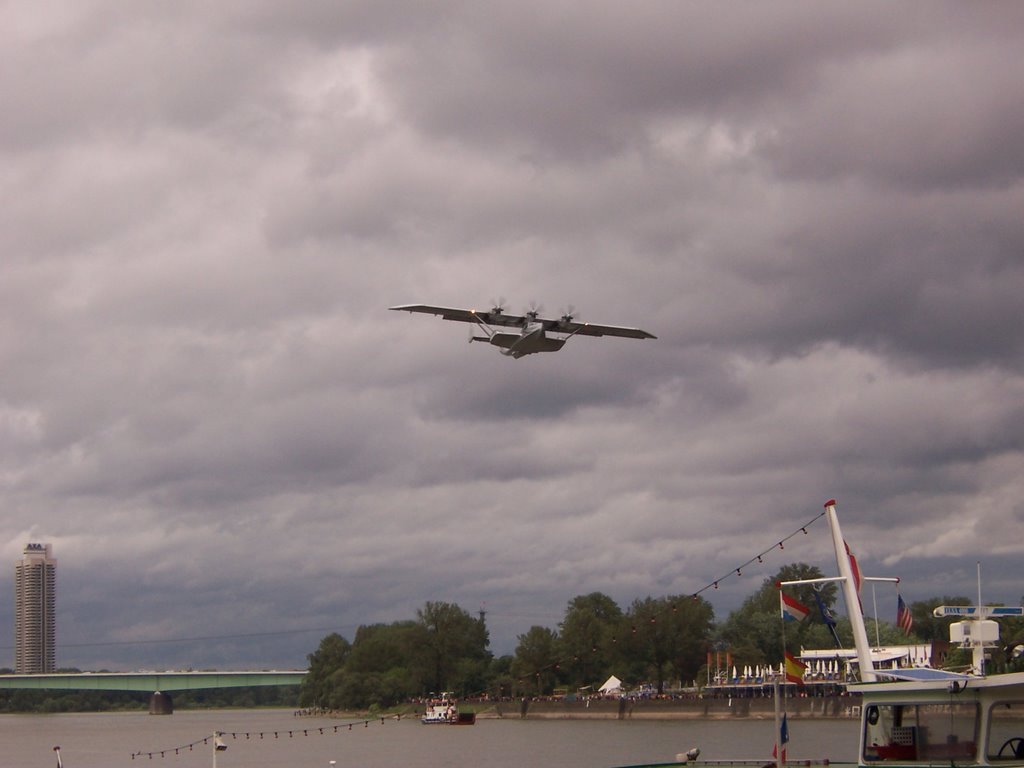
[
  {"x": 1006, "y": 731},
  {"x": 925, "y": 732}
]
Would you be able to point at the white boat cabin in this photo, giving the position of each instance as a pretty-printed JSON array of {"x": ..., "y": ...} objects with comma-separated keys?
[{"x": 962, "y": 720}]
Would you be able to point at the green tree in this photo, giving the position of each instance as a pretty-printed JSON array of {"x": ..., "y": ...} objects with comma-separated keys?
[
  {"x": 668, "y": 636},
  {"x": 358, "y": 691},
  {"x": 926, "y": 626},
  {"x": 386, "y": 651},
  {"x": 536, "y": 660},
  {"x": 1011, "y": 637},
  {"x": 585, "y": 638},
  {"x": 696, "y": 619},
  {"x": 324, "y": 665},
  {"x": 450, "y": 637},
  {"x": 380, "y": 647},
  {"x": 501, "y": 680},
  {"x": 886, "y": 633}
]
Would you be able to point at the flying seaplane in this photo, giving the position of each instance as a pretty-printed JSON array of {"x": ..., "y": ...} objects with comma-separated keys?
[{"x": 535, "y": 334}]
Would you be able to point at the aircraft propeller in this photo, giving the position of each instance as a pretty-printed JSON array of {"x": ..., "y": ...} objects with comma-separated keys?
[{"x": 498, "y": 306}]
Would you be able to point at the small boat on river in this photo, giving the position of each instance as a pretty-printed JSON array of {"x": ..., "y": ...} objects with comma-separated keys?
[{"x": 443, "y": 711}]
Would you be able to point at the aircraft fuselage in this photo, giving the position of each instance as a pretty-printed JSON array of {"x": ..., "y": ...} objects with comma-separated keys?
[{"x": 530, "y": 340}]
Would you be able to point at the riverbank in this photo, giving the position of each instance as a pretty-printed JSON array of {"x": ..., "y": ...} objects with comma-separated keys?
[
  {"x": 815, "y": 707},
  {"x": 842, "y": 707}
]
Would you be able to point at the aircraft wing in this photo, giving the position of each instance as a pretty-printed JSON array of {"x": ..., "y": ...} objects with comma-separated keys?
[
  {"x": 465, "y": 315},
  {"x": 594, "y": 329}
]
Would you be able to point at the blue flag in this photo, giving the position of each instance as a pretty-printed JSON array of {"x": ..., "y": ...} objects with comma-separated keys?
[
  {"x": 783, "y": 738},
  {"x": 828, "y": 618}
]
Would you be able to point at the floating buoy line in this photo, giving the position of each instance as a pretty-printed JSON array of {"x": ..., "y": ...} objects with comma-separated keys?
[{"x": 280, "y": 733}]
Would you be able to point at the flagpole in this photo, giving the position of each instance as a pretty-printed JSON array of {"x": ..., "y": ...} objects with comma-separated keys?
[
  {"x": 874, "y": 607},
  {"x": 979, "y": 651},
  {"x": 780, "y": 756},
  {"x": 783, "y": 631}
]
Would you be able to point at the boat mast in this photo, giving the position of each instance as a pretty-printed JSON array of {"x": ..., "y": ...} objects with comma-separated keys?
[
  {"x": 853, "y": 607},
  {"x": 978, "y": 649}
]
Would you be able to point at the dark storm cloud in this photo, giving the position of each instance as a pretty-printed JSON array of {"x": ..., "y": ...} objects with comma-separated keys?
[
  {"x": 208, "y": 410},
  {"x": 568, "y": 85},
  {"x": 929, "y": 280}
]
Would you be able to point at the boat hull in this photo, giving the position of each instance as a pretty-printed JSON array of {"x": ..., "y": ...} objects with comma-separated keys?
[{"x": 444, "y": 712}]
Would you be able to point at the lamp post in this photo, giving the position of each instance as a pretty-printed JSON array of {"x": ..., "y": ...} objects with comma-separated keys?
[{"x": 218, "y": 746}]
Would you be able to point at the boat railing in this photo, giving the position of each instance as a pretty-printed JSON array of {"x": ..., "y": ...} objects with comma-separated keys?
[{"x": 824, "y": 761}]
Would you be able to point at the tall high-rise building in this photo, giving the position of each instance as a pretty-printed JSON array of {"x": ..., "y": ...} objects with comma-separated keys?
[{"x": 35, "y": 603}]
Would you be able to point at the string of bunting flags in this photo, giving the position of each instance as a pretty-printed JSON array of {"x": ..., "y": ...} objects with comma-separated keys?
[
  {"x": 759, "y": 557},
  {"x": 732, "y": 573},
  {"x": 257, "y": 735}
]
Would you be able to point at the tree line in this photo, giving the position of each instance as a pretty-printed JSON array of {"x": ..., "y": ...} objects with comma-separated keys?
[
  {"x": 445, "y": 649},
  {"x": 660, "y": 641}
]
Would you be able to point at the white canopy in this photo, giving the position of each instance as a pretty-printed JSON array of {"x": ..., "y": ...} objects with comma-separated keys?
[{"x": 611, "y": 684}]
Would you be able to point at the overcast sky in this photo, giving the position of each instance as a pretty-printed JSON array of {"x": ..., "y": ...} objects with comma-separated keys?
[{"x": 208, "y": 411}]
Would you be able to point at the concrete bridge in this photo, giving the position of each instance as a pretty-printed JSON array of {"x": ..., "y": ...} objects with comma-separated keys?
[{"x": 159, "y": 683}]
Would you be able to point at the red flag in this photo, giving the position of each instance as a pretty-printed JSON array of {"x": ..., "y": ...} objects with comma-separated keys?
[{"x": 853, "y": 568}]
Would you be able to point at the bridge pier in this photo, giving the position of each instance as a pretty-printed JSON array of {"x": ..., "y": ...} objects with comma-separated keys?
[{"x": 161, "y": 704}]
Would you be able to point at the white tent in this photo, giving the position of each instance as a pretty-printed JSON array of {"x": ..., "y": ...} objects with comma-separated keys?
[{"x": 610, "y": 685}]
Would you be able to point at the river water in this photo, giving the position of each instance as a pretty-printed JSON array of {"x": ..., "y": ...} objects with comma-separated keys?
[{"x": 109, "y": 740}]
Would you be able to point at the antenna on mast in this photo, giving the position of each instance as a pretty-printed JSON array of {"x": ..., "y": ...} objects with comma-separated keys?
[{"x": 979, "y": 584}]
